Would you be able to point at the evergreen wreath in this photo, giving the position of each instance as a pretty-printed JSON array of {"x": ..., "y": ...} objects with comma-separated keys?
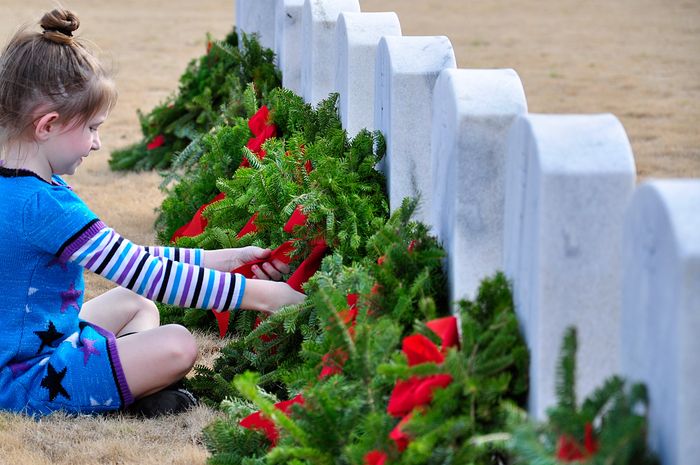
[
  {"x": 210, "y": 93},
  {"x": 346, "y": 416},
  {"x": 607, "y": 428},
  {"x": 406, "y": 286},
  {"x": 311, "y": 169}
]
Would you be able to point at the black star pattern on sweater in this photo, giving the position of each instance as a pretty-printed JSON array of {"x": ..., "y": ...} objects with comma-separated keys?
[
  {"x": 52, "y": 382},
  {"x": 48, "y": 337}
]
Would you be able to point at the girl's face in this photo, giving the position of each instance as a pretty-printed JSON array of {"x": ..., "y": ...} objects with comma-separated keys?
[{"x": 73, "y": 142}]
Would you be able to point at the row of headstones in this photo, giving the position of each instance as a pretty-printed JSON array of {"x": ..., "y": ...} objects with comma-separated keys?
[{"x": 550, "y": 199}]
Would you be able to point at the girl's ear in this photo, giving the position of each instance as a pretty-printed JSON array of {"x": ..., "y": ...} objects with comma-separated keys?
[{"x": 45, "y": 126}]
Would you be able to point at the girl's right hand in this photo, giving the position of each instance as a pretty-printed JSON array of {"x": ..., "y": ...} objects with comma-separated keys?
[{"x": 269, "y": 296}]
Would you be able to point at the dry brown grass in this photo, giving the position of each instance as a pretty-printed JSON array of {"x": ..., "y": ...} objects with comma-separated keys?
[
  {"x": 635, "y": 58},
  {"x": 114, "y": 439}
]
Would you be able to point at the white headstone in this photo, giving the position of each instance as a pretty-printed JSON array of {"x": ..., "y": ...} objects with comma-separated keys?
[
  {"x": 661, "y": 312},
  {"x": 405, "y": 74},
  {"x": 577, "y": 177},
  {"x": 358, "y": 36},
  {"x": 288, "y": 42},
  {"x": 257, "y": 17},
  {"x": 319, "y": 55},
  {"x": 473, "y": 110}
]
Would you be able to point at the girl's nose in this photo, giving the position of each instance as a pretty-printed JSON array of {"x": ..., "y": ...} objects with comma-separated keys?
[{"x": 96, "y": 143}]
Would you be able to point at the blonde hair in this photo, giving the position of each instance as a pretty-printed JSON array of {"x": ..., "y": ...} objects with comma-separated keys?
[{"x": 50, "y": 71}]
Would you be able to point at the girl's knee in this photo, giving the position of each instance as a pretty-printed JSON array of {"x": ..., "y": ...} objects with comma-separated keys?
[
  {"x": 182, "y": 345},
  {"x": 139, "y": 304}
]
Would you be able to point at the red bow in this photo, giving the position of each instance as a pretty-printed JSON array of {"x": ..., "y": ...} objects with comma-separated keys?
[
  {"x": 301, "y": 275},
  {"x": 333, "y": 362},
  {"x": 262, "y": 130},
  {"x": 419, "y": 349},
  {"x": 375, "y": 457},
  {"x": 415, "y": 392},
  {"x": 399, "y": 437},
  {"x": 569, "y": 449},
  {"x": 156, "y": 142},
  {"x": 308, "y": 267},
  {"x": 446, "y": 329},
  {"x": 257, "y": 421},
  {"x": 250, "y": 227},
  {"x": 197, "y": 224}
]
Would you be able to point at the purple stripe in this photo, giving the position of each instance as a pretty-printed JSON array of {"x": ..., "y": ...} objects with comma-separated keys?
[
  {"x": 81, "y": 240},
  {"x": 154, "y": 251},
  {"x": 122, "y": 385},
  {"x": 187, "y": 255},
  {"x": 95, "y": 257},
  {"x": 152, "y": 290},
  {"x": 126, "y": 271},
  {"x": 217, "y": 301},
  {"x": 188, "y": 281}
]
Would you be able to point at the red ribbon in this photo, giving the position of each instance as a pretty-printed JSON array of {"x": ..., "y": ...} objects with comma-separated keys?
[
  {"x": 415, "y": 392},
  {"x": 250, "y": 227},
  {"x": 398, "y": 436},
  {"x": 419, "y": 349},
  {"x": 298, "y": 218},
  {"x": 446, "y": 329},
  {"x": 281, "y": 253},
  {"x": 156, "y": 142},
  {"x": 375, "y": 457},
  {"x": 333, "y": 363},
  {"x": 258, "y": 421},
  {"x": 198, "y": 223},
  {"x": 262, "y": 130},
  {"x": 569, "y": 449},
  {"x": 308, "y": 267}
]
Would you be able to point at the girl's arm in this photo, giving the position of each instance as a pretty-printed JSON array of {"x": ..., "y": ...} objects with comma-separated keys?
[
  {"x": 224, "y": 259},
  {"x": 103, "y": 251}
]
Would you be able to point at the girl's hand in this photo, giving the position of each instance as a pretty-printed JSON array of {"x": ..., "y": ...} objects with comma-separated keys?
[
  {"x": 269, "y": 296},
  {"x": 230, "y": 259}
]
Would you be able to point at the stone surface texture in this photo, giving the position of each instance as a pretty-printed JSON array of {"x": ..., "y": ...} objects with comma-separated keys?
[
  {"x": 257, "y": 17},
  {"x": 288, "y": 42},
  {"x": 575, "y": 177},
  {"x": 473, "y": 111},
  {"x": 357, "y": 36},
  {"x": 406, "y": 71},
  {"x": 319, "y": 53},
  {"x": 661, "y": 312}
]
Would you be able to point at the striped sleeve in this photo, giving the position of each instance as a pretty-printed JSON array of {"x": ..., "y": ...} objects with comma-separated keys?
[{"x": 164, "y": 274}]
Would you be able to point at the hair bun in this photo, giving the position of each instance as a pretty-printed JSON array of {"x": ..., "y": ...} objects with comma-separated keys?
[{"x": 58, "y": 25}]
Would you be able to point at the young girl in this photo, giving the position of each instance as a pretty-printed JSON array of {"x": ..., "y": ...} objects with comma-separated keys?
[{"x": 57, "y": 353}]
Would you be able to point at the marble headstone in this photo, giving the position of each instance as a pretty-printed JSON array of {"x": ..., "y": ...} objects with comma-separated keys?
[
  {"x": 319, "y": 54},
  {"x": 357, "y": 37},
  {"x": 473, "y": 111},
  {"x": 661, "y": 312},
  {"x": 288, "y": 42},
  {"x": 576, "y": 178},
  {"x": 257, "y": 17},
  {"x": 405, "y": 74}
]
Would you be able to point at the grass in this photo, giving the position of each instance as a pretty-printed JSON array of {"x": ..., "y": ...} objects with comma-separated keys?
[{"x": 60, "y": 439}]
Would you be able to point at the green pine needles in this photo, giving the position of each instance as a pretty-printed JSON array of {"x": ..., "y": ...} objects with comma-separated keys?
[
  {"x": 403, "y": 287},
  {"x": 210, "y": 94},
  {"x": 344, "y": 416},
  {"x": 607, "y": 428}
]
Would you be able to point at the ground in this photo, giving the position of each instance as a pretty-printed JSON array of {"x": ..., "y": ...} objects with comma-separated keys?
[{"x": 637, "y": 59}]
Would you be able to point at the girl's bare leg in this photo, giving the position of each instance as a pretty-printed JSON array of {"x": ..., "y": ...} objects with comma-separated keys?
[{"x": 154, "y": 357}]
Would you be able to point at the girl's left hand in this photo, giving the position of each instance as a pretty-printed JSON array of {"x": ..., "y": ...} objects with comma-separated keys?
[{"x": 230, "y": 259}]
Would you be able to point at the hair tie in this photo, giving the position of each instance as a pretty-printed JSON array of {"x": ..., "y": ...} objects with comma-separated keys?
[{"x": 66, "y": 32}]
